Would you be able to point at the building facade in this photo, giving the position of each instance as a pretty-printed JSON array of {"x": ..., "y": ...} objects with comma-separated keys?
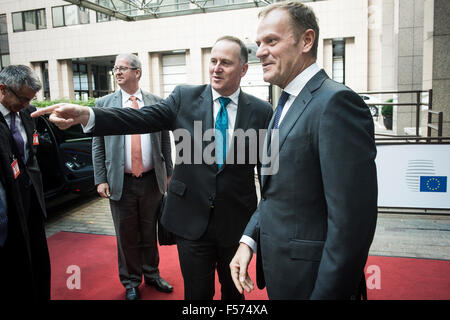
[{"x": 363, "y": 43}]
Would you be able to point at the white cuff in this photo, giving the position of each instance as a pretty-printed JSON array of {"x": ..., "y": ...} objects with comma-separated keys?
[
  {"x": 91, "y": 122},
  {"x": 249, "y": 241}
]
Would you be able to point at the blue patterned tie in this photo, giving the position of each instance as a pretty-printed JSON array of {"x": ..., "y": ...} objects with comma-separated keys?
[
  {"x": 3, "y": 216},
  {"x": 281, "y": 102},
  {"x": 17, "y": 136},
  {"x": 221, "y": 126}
]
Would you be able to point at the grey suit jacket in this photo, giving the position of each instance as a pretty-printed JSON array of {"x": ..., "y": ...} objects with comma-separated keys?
[
  {"x": 317, "y": 217},
  {"x": 108, "y": 151}
]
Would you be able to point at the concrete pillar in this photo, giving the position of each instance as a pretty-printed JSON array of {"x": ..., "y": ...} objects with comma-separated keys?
[
  {"x": 155, "y": 71},
  {"x": 90, "y": 79},
  {"x": 60, "y": 78},
  {"x": 327, "y": 60},
  {"x": 206, "y": 57},
  {"x": 350, "y": 72},
  {"x": 410, "y": 57},
  {"x": 36, "y": 66},
  {"x": 66, "y": 79},
  {"x": 53, "y": 78},
  {"x": 436, "y": 71},
  {"x": 144, "y": 83},
  {"x": 194, "y": 65}
]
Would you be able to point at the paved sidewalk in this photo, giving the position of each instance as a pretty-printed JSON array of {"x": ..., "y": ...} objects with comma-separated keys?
[{"x": 401, "y": 235}]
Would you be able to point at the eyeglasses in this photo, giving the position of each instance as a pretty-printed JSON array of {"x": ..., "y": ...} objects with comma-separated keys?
[
  {"x": 22, "y": 99},
  {"x": 122, "y": 69}
]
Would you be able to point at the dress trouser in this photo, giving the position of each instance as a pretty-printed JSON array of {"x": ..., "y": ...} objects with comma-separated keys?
[
  {"x": 199, "y": 260},
  {"x": 135, "y": 217}
]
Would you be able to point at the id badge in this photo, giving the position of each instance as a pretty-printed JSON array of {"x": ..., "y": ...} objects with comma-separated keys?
[
  {"x": 35, "y": 139},
  {"x": 15, "y": 168}
]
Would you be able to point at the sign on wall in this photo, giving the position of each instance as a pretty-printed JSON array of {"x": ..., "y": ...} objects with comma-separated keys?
[{"x": 413, "y": 176}]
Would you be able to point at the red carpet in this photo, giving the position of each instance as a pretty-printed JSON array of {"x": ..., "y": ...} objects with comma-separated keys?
[{"x": 95, "y": 255}]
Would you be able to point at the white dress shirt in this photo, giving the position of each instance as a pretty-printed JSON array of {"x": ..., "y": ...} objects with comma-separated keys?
[
  {"x": 293, "y": 88},
  {"x": 146, "y": 143},
  {"x": 232, "y": 107},
  {"x": 6, "y": 114},
  {"x": 296, "y": 86}
]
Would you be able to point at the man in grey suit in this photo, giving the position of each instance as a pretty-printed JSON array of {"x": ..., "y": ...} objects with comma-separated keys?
[
  {"x": 316, "y": 220},
  {"x": 132, "y": 171}
]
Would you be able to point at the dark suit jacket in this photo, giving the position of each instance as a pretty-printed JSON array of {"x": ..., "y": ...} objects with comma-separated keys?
[
  {"x": 197, "y": 188},
  {"x": 108, "y": 152},
  {"x": 317, "y": 216},
  {"x": 9, "y": 152},
  {"x": 25, "y": 238}
]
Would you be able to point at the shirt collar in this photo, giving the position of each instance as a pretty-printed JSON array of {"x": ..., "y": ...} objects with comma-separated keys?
[
  {"x": 4, "y": 111},
  {"x": 126, "y": 96},
  {"x": 234, "y": 96},
  {"x": 295, "y": 86}
]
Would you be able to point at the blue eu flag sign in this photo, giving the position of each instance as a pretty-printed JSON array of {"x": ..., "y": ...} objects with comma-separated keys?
[{"x": 433, "y": 184}]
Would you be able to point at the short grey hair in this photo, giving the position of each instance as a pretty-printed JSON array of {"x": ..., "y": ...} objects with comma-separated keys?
[
  {"x": 243, "y": 53},
  {"x": 132, "y": 59},
  {"x": 17, "y": 76}
]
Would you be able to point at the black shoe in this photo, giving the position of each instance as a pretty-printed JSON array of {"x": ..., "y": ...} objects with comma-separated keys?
[
  {"x": 160, "y": 284},
  {"x": 132, "y": 294}
]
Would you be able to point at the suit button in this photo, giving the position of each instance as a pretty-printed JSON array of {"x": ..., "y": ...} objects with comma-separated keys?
[{"x": 263, "y": 198}]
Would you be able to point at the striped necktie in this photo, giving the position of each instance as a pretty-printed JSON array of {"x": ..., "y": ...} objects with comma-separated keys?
[{"x": 17, "y": 136}]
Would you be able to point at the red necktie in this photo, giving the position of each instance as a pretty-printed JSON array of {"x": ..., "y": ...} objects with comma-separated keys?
[{"x": 136, "y": 150}]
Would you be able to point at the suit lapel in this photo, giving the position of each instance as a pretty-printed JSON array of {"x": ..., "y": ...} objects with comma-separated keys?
[
  {"x": 155, "y": 137},
  {"x": 206, "y": 106},
  {"x": 205, "y": 109},
  {"x": 295, "y": 111},
  {"x": 119, "y": 147},
  {"x": 243, "y": 112},
  {"x": 242, "y": 118}
]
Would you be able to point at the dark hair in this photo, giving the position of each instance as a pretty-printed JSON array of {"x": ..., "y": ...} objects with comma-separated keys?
[
  {"x": 302, "y": 16},
  {"x": 17, "y": 76},
  {"x": 243, "y": 52}
]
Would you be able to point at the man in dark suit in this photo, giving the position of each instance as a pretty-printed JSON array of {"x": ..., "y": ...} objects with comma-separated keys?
[
  {"x": 208, "y": 203},
  {"x": 316, "y": 219},
  {"x": 24, "y": 258},
  {"x": 132, "y": 172}
]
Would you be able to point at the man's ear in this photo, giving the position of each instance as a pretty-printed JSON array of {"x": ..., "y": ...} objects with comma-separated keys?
[
  {"x": 308, "y": 38},
  {"x": 2, "y": 88},
  {"x": 244, "y": 69}
]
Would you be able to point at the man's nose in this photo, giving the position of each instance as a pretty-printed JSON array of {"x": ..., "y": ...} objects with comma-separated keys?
[
  {"x": 261, "y": 52},
  {"x": 217, "y": 67}
]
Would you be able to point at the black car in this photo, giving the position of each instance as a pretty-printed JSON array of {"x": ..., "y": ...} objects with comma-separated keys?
[{"x": 65, "y": 159}]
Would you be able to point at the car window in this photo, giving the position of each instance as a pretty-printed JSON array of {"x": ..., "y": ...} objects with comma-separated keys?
[{"x": 74, "y": 133}]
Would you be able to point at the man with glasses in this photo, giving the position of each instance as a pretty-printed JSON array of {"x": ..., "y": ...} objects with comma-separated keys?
[
  {"x": 24, "y": 258},
  {"x": 132, "y": 172}
]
